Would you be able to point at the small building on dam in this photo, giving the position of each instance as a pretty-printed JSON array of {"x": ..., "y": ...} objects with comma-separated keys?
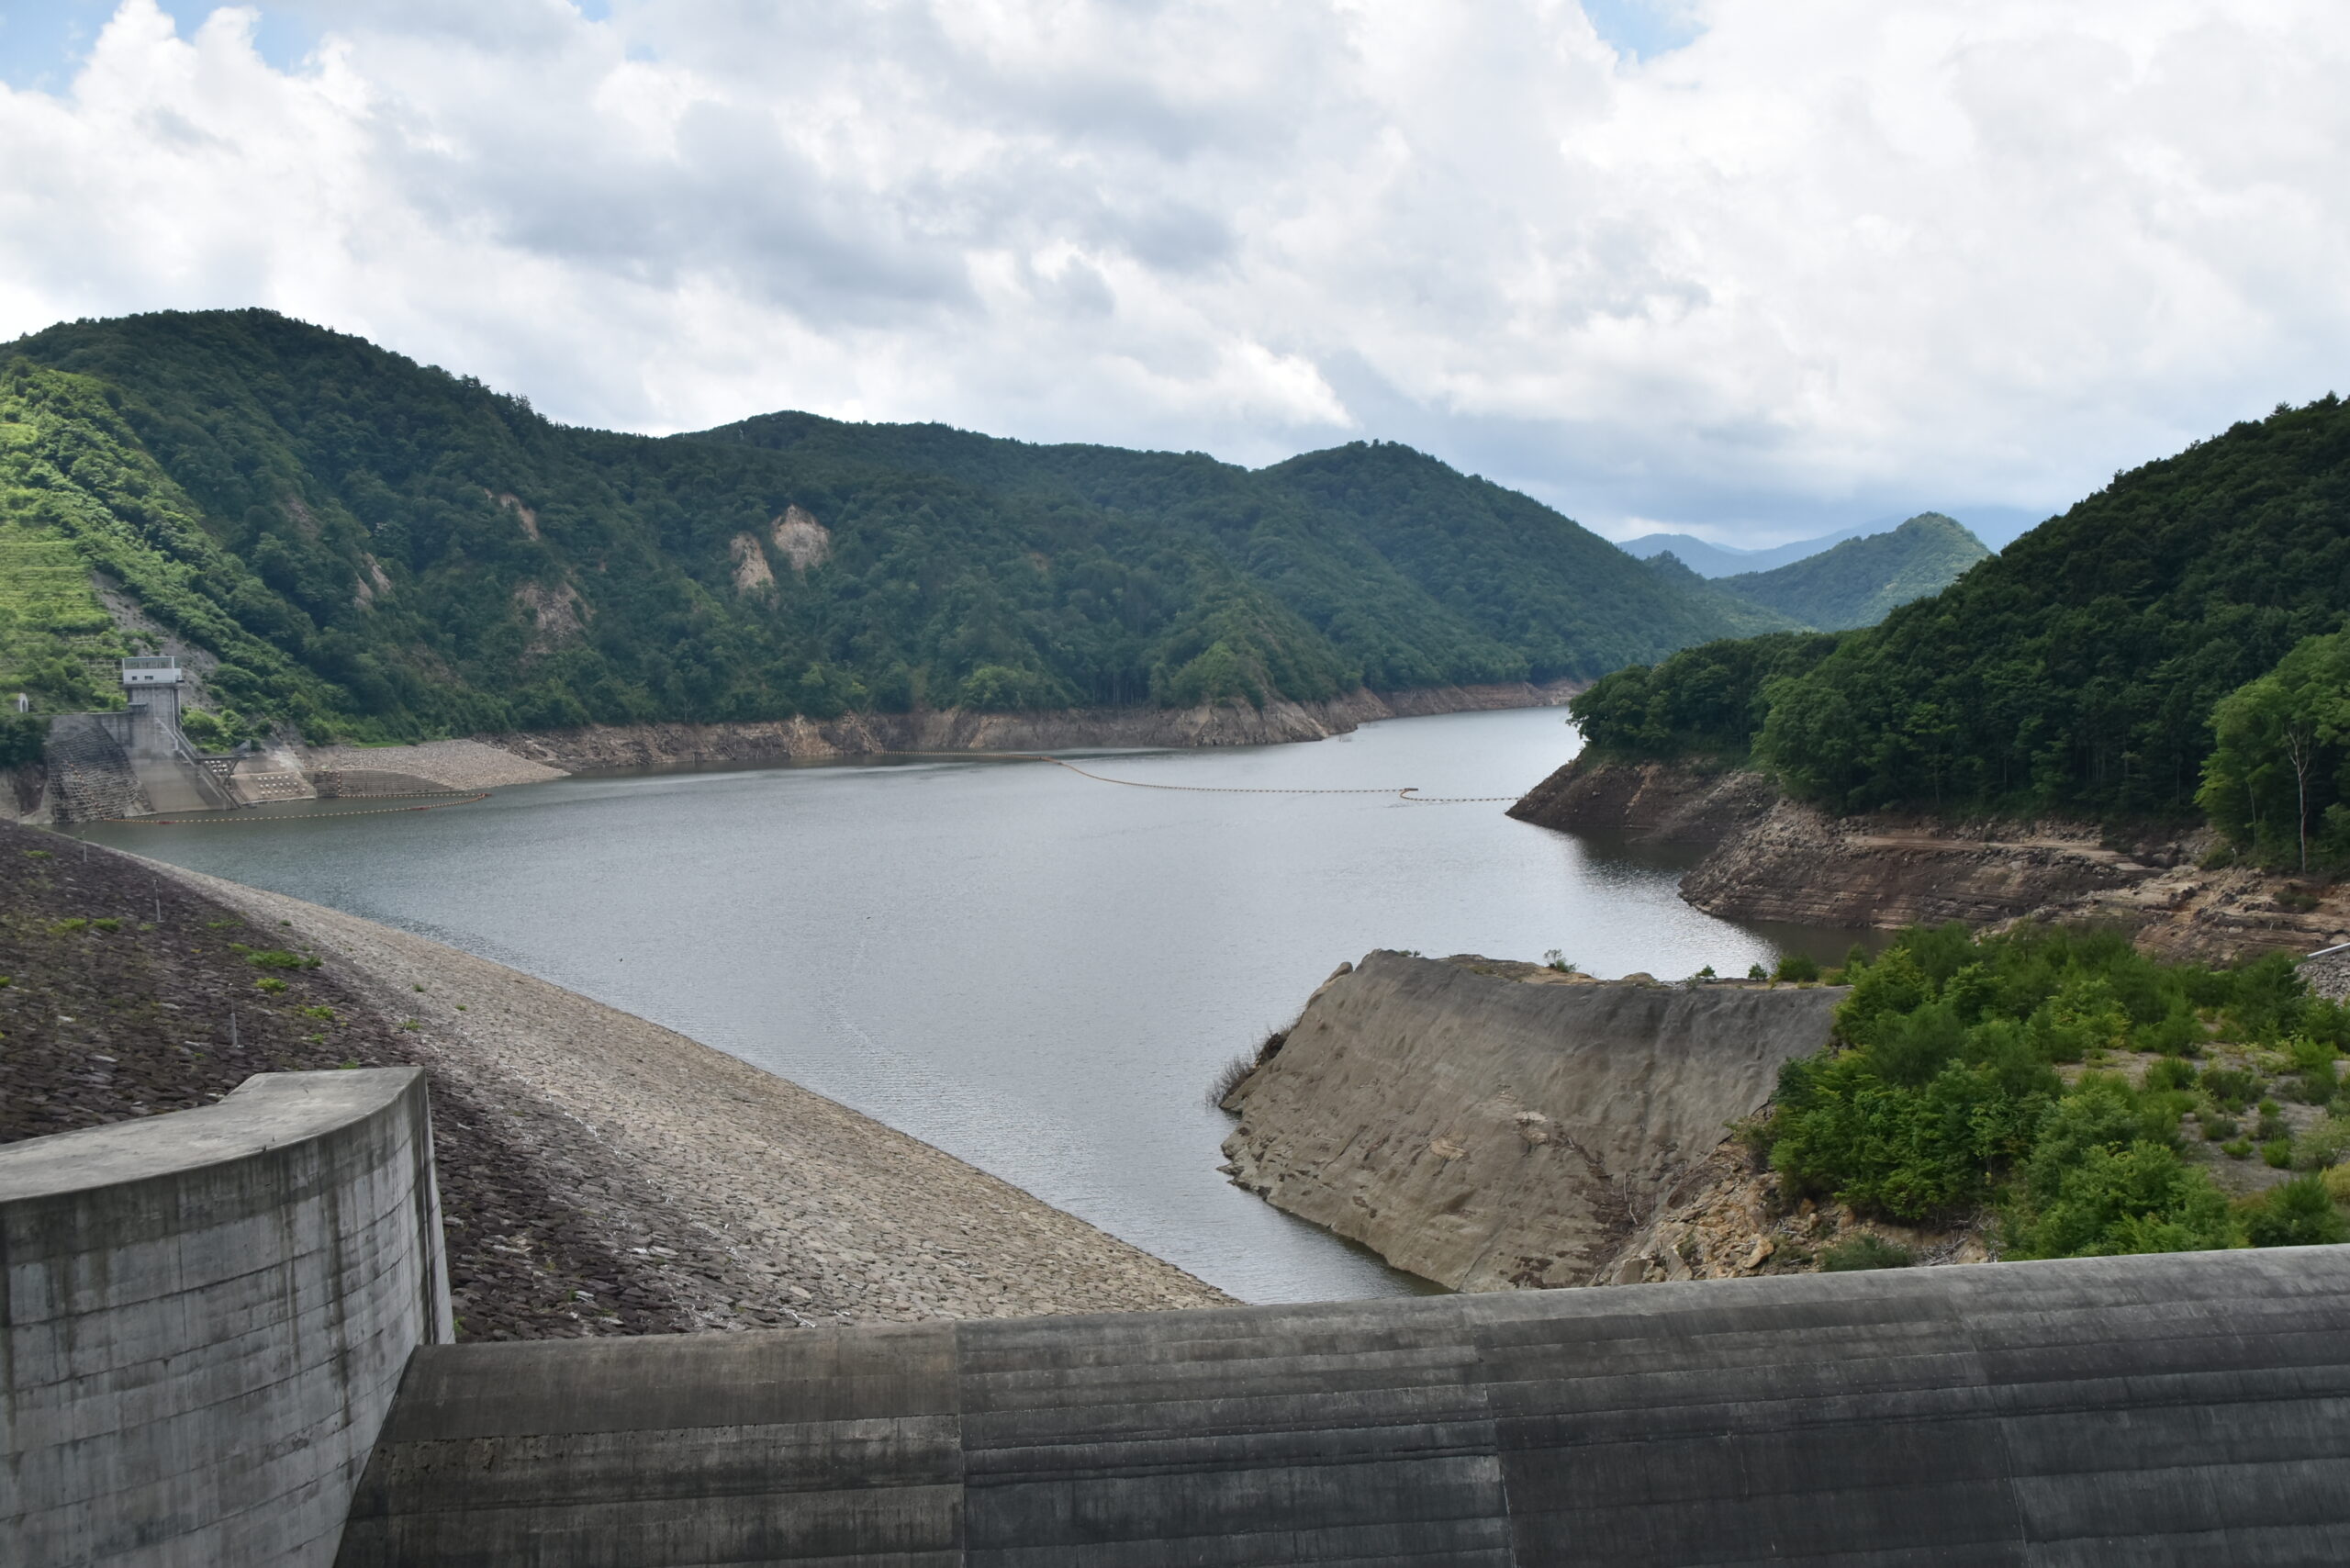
[{"x": 225, "y": 1338}]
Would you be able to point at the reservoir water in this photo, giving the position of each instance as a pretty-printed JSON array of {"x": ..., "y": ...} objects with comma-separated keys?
[{"x": 1033, "y": 971}]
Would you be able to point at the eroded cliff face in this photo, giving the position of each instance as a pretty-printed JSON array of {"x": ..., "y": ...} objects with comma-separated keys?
[
  {"x": 1797, "y": 864},
  {"x": 1488, "y": 1133},
  {"x": 1774, "y": 859},
  {"x": 1660, "y": 803}
]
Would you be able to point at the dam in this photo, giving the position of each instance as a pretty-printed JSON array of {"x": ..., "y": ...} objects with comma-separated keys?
[{"x": 225, "y": 1341}]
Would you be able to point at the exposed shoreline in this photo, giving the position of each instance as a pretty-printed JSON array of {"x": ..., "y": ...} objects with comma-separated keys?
[
  {"x": 1769, "y": 858},
  {"x": 498, "y": 760},
  {"x": 954, "y": 729},
  {"x": 790, "y": 1206}
]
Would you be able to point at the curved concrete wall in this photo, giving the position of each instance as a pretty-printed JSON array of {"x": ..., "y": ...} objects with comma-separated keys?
[
  {"x": 203, "y": 1317},
  {"x": 2183, "y": 1409}
]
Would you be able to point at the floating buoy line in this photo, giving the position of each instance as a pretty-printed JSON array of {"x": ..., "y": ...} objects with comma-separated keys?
[
  {"x": 439, "y": 800},
  {"x": 238, "y": 819},
  {"x": 1408, "y": 792}
]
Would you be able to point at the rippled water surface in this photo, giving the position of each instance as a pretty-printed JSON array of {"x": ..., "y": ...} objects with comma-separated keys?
[{"x": 1036, "y": 971}]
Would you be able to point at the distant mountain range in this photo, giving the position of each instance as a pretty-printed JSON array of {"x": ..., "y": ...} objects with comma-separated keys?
[
  {"x": 1726, "y": 560},
  {"x": 1859, "y": 581},
  {"x": 1995, "y": 526},
  {"x": 356, "y": 545},
  {"x": 1854, "y": 583}
]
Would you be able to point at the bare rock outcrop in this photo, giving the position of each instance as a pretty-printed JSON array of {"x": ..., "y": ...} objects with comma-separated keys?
[
  {"x": 1487, "y": 1134},
  {"x": 1774, "y": 859},
  {"x": 1799, "y": 864},
  {"x": 1661, "y": 804}
]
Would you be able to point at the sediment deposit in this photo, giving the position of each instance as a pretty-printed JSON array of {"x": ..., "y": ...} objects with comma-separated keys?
[
  {"x": 436, "y": 764},
  {"x": 1488, "y": 1133}
]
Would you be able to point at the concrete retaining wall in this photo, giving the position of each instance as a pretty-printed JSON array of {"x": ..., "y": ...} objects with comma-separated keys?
[
  {"x": 90, "y": 775},
  {"x": 2122, "y": 1411},
  {"x": 203, "y": 1317}
]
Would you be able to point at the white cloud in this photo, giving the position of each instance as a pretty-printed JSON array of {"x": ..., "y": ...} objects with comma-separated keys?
[{"x": 1828, "y": 259}]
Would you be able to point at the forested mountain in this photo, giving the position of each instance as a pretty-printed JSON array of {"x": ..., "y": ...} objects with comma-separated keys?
[
  {"x": 1859, "y": 581},
  {"x": 2077, "y": 671},
  {"x": 379, "y": 548}
]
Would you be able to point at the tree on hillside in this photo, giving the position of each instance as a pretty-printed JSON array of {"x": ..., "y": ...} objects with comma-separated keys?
[{"x": 2283, "y": 740}]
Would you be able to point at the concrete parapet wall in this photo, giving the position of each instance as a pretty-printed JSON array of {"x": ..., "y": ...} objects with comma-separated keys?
[
  {"x": 203, "y": 1318},
  {"x": 2181, "y": 1409}
]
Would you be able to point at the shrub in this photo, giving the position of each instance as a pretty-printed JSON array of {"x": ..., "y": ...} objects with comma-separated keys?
[
  {"x": 1939, "y": 1094},
  {"x": 2322, "y": 1146},
  {"x": 2312, "y": 1062},
  {"x": 1799, "y": 967},
  {"x": 1228, "y": 1078},
  {"x": 2178, "y": 1032},
  {"x": 1867, "y": 1250},
  {"x": 2278, "y": 1153},
  {"x": 277, "y": 958},
  {"x": 2230, "y": 1088},
  {"x": 2108, "y": 1202},
  {"x": 105, "y": 924},
  {"x": 2298, "y": 1213},
  {"x": 22, "y": 738}
]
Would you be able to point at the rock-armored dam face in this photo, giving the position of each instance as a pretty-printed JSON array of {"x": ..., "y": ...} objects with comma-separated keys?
[
  {"x": 2183, "y": 1409},
  {"x": 203, "y": 1317},
  {"x": 1488, "y": 1133}
]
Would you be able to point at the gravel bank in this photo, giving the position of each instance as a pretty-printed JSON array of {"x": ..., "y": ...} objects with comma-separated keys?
[
  {"x": 125, "y": 993},
  {"x": 781, "y": 1205},
  {"x": 453, "y": 765}
]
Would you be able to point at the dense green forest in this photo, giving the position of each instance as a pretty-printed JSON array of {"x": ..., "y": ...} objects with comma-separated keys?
[
  {"x": 1972, "y": 1072},
  {"x": 378, "y": 549},
  {"x": 1860, "y": 581},
  {"x": 2078, "y": 671}
]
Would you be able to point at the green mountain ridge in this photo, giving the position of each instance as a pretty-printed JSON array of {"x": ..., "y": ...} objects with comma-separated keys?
[
  {"x": 2078, "y": 671},
  {"x": 381, "y": 550},
  {"x": 1860, "y": 581}
]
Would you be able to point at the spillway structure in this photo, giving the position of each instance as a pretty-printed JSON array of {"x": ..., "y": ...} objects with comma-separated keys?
[{"x": 226, "y": 1341}]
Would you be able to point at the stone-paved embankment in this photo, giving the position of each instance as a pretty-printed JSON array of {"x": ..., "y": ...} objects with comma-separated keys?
[
  {"x": 794, "y": 1208},
  {"x": 125, "y": 993}
]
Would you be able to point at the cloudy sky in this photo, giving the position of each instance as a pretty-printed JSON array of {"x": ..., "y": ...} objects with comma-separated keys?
[{"x": 1756, "y": 268}]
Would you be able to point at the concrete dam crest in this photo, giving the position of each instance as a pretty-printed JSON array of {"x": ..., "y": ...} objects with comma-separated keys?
[{"x": 207, "y": 1313}]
